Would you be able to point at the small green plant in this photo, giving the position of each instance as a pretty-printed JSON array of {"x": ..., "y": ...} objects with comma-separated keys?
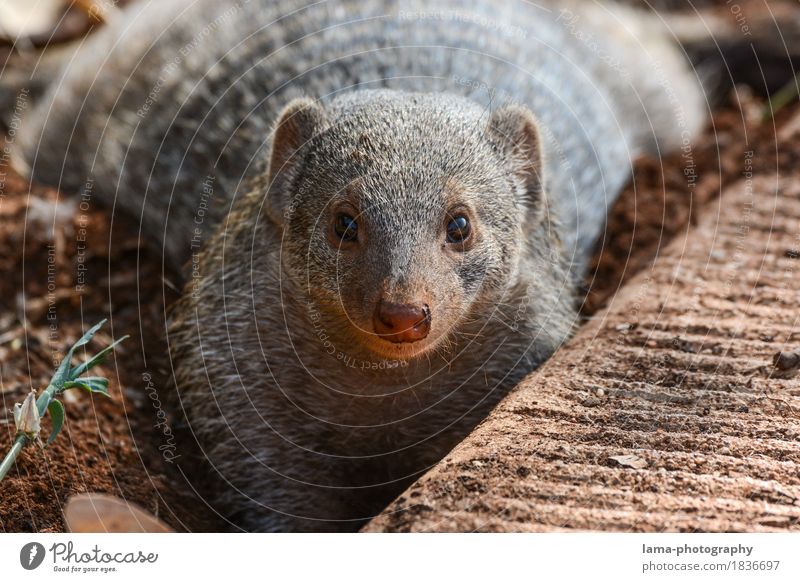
[
  {"x": 783, "y": 97},
  {"x": 28, "y": 414}
]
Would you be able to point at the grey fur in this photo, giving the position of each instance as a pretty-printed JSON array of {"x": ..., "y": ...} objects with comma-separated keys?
[{"x": 414, "y": 107}]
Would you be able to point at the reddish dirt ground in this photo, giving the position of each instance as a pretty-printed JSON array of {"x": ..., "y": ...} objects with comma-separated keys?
[{"x": 54, "y": 286}]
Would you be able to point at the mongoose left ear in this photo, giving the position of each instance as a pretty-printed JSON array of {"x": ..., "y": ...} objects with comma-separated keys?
[
  {"x": 515, "y": 130},
  {"x": 299, "y": 121}
]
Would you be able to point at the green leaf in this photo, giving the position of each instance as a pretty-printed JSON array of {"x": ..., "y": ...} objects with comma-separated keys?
[
  {"x": 56, "y": 410},
  {"x": 94, "y": 384},
  {"x": 64, "y": 371},
  {"x": 95, "y": 360},
  {"x": 87, "y": 337}
]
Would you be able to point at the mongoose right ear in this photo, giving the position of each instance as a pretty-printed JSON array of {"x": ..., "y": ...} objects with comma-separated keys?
[
  {"x": 299, "y": 121},
  {"x": 515, "y": 129}
]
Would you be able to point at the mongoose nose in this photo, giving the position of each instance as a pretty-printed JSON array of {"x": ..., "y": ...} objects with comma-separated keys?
[{"x": 401, "y": 322}]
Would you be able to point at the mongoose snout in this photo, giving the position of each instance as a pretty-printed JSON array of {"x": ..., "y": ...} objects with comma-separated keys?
[{"x": 402, "y": 322}]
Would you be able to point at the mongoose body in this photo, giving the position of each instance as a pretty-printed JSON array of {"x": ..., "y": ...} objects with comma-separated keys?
[{"x": 384, "y": 208}]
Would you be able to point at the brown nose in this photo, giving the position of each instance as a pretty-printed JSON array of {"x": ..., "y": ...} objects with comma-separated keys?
[{"x": 402, "y": 322}]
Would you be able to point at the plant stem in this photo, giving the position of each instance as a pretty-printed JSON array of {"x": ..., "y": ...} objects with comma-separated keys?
[
  {"x": 5, "y": 467},
  {"x": 44, "y": 399},
  {"x": 782, "y": 98}
]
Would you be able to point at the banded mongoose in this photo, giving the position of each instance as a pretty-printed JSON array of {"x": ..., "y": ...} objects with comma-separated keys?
[{"x": 382, "y": 210}]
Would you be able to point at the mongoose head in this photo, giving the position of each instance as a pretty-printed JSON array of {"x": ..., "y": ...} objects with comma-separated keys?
[{"x": 404, "y": 215}]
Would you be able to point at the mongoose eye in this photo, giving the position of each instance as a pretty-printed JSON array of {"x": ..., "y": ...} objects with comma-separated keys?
[
  {"x": 458, "y": 230},
  {"x": 346, "y": 227}
]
